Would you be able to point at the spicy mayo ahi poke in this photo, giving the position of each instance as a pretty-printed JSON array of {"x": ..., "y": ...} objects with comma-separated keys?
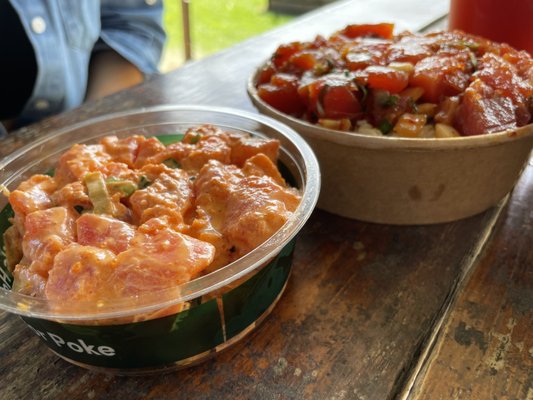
[{"x": 129, "y": 216}]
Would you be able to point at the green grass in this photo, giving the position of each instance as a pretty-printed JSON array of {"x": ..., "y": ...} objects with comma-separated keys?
[{"x": 215, "y": 25}]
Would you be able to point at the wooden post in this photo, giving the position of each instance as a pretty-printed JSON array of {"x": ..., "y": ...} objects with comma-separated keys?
[{"x": 186, "y": 29}]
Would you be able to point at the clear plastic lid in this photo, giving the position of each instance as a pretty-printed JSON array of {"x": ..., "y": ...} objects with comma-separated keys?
[{"x": 42, "y": 155}]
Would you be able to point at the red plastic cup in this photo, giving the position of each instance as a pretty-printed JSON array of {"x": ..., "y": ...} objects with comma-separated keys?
[{"x": 507, "y": 21}]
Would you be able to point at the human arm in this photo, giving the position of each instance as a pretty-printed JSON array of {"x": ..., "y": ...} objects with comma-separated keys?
[
  {"x": 132, "y": 39},
  {"x": 109, "y": 72}
]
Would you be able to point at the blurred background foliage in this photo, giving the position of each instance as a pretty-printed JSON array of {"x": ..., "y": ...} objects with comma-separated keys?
[{"x": 214, "y": 25}]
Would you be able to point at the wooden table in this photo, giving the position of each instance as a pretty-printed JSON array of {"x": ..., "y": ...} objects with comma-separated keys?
[{"x": 370, "y": 312}]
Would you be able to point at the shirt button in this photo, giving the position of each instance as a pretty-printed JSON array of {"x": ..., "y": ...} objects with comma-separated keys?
[
  {"x": 38, "y": 25},
  {"x": 42, "y": 104},
  {"x": 150, "y": 2}
]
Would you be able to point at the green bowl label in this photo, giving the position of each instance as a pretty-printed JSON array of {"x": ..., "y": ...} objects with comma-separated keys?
[{"x": 174, "y": 338}]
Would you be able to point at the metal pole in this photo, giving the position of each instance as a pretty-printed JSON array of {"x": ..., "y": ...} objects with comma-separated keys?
[{"x": 186, "y": 29}]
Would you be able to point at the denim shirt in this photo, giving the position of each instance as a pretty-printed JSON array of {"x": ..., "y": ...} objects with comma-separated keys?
[{"x": 65, "y": 32}]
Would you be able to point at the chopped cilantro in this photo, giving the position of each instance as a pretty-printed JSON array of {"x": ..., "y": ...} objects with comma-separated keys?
[
  {"x": 390, "y": 101},
  {"x": 385, "y": 126}
]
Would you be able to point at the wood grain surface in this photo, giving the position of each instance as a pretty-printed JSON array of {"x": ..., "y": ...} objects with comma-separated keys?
[
  {"x": 360, "y": 304},
  {"x": 370, "y": 312},
  {"x": 485, "y": 350}
]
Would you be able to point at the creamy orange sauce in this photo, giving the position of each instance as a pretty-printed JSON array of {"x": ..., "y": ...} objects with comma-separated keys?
[{"x": 171, "y": 213}]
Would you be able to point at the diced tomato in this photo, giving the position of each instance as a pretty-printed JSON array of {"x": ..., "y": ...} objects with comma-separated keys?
[
  {"x": 522, "y": 62},
  {"x": 386, "y": 78},
  {"x": 284, "y": 52},
  {"x": 284, "y": 99},
  {"x": 358, "y": 60},
  {"x": 319, "y": 42},
  {"x": 265, "y": 73},
  {"x": 408, "y": 49},
  {"x": 501, "y": 76},
  {"x": 284, "y": 80},
  {"x": 304, "y": 60},
  {"x": 480, "y": 112},
  {"x": 442, "y": 75},
  {"x": 384, "y": 30},
  {"x": 365, "y": 52},
  {"x": 340, "y": 102}
]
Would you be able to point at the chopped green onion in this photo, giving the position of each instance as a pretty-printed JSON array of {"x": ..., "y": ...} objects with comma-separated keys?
[
  {"x": 144, "y": 182},
  {"x": 195, "y": 139},
  {"x": 97, "y": 191},
  {"x": 171, "y": 163},
  {"x": 463, "y": 43},
  {"x": 126, "y": 187},
  {"x": 473, "y": 59}
]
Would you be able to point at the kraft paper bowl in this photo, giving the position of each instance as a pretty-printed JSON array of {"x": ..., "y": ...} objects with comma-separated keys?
[
  {"x": 410, "y": 181},
  {"x": 175, "y": 328}
]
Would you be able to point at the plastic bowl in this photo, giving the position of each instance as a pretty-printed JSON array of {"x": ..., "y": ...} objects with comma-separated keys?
[
  {"x": 217, "y": 309},
  {"x": 410, "y": 181}
]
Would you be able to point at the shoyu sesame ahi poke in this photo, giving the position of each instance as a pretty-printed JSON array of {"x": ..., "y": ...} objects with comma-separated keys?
[
  {"x": 365, "y": 79},
  {"x": 130, "y": 216}
]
